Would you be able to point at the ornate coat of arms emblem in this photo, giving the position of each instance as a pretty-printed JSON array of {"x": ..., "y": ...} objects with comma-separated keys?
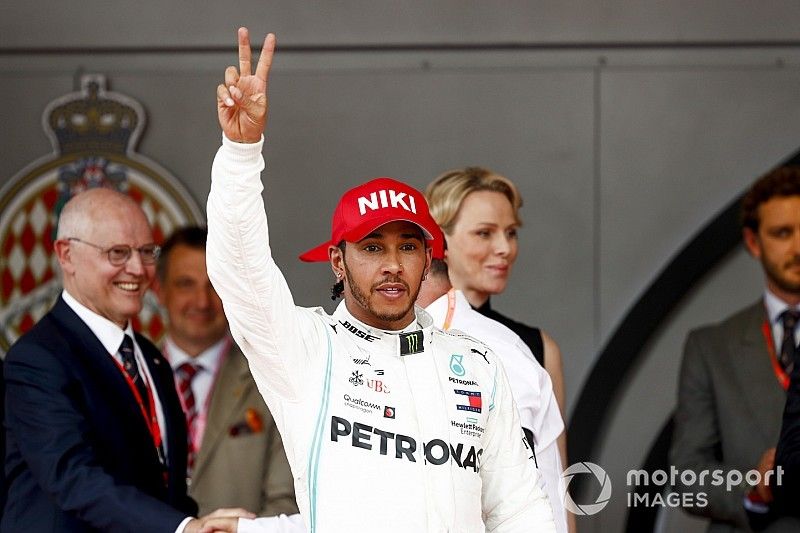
[{"x": 94, "y": 133}]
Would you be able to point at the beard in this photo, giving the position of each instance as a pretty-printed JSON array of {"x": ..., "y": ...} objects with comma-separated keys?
[
  {"x": 775, "y": 273},
  {"x": 363, "y": 300}
]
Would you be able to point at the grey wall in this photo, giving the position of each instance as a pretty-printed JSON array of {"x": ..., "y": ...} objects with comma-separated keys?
[{"x": 627, "y": 126}]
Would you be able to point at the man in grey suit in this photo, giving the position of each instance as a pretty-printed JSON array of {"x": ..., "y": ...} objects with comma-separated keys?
[
  {"x": 235, "y": 450},
  {"x": 734, "y": 375}
]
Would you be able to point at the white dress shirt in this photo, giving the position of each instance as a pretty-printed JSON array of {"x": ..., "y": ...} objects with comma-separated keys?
[{"x": 208, "y": 363}]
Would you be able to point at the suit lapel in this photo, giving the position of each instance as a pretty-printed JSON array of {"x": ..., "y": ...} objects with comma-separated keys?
[
  {"x": 752, "y": 370},
  {"x": 230, "y": 391},
  {"x": 87, "y": 347}
]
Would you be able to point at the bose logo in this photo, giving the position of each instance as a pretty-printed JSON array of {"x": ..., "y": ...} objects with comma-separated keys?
[
  {"x": 358, "y": 333},
  {"x": 381, "y": 199}
]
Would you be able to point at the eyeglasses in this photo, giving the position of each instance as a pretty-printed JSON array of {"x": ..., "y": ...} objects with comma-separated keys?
[{"x": 119, "y": 254}]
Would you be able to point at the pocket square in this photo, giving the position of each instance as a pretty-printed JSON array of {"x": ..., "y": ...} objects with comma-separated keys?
[{"x": 252, "y": 423}]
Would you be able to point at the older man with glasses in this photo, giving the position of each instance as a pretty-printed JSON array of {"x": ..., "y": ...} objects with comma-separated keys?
[{"x": 96, "y": 436}]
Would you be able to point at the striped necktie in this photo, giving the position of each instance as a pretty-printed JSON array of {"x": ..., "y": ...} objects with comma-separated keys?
[
  {"x": 132, "y": 369},
  {"x": 185, "y": 373},
  {"x": 789, "y": 319}
]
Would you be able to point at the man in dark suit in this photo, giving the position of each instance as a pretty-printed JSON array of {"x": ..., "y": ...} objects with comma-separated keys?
[
  {"x": 95, "y": 433},
  {"x": 236, "y": 452},
  {"x": 734, "y": 374},
  {"x": 783, "y": 493}
]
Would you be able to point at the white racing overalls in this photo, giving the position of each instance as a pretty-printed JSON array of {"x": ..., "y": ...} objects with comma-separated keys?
[{"x": 384, "y": 431}]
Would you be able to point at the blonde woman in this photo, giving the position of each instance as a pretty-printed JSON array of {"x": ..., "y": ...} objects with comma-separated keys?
[{"x": 478, "y": 211}]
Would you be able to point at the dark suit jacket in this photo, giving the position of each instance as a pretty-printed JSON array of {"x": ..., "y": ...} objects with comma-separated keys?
[
  {"x": 729, "y": 412},
  {"x": 240, "y": 466},
  {"x": 80, "y": 456},
  {"x": 787, "y": 456}
]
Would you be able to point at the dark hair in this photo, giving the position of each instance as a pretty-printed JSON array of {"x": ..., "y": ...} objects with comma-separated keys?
[
  {"x": 191, "y": 236},
  {"x": 338, "y": 288},
  {"x": 782, "y": 181},
  {"x": 438, "y": 268}
]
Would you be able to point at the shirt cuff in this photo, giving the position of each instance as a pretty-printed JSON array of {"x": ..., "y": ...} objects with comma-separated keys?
[
  {"x": 753, "y": 503},
  {"x": 242, "y": 151},
  {"x": 182, "y": 525}
]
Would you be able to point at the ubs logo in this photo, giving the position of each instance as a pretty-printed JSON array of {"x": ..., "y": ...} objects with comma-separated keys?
[
  {"x": 378, "y": 386},
  {"x": 357, "y": 378}
]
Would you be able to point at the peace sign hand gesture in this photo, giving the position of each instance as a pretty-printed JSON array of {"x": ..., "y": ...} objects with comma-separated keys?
[{"x": 242, "y": 100}]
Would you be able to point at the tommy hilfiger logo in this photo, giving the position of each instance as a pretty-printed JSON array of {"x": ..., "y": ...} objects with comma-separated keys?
[
  {"x": 411, "y": 342},
  {"x": 473, "y": 398}
]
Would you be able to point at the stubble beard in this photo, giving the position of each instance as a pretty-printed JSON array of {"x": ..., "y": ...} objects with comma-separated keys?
[
  {"x": 363, "y": 299},
  {"x": 775, "y": 273}
]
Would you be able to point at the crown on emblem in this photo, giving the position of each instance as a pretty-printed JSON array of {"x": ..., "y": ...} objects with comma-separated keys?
[{"x": 94, "y": 120}]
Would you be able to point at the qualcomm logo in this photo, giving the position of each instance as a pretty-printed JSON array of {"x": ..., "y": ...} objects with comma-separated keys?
[{"x": 605, "y": 490}]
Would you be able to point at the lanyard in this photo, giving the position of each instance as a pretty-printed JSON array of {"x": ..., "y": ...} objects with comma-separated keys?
[
  {"x": 451, "y": 308},
  {"x": 780, "y": 373},
  {"x": 152, "y": 419}
]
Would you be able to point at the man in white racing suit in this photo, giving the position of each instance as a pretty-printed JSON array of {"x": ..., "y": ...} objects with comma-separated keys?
[{"x": 389, "y": 424}]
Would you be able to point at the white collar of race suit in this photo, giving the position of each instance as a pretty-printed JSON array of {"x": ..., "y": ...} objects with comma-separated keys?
[{"x": 407, "y": 341}]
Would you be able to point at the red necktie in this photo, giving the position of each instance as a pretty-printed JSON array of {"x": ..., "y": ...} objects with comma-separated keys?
[{"x": 185, "y": 373}]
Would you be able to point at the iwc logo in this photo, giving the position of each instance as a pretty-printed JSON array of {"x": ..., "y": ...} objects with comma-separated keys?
[{"x": 94, "y": 133}]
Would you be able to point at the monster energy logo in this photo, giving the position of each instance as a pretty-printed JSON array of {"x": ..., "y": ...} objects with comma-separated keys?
[{"x": 411, "y": 342}]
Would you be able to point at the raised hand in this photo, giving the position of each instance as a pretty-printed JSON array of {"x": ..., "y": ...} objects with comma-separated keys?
[{"x": 242, "y": 100}]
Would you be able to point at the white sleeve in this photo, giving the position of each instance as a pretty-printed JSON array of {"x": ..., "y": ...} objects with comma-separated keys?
[
  {"x": 272, "y": 524},
  {"x": 278, "y": 338},
  {"x": 550, "y": 469},
  {"x": 540, "y": 412},
  {"x": 513, "y": 499}
]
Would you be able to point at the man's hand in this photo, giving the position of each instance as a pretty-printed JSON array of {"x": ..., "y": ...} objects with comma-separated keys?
[
  {"x": 766, "y": 464},
  {"x": 221, "y": 524},
  {"x": 226, "y": 520},
  {"x": 242, "y": 100}
]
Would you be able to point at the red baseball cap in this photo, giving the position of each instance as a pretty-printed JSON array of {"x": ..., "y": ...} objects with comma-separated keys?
[
  {"x": 437, "y": 245},
  {"x": 366, "y": 207}
]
